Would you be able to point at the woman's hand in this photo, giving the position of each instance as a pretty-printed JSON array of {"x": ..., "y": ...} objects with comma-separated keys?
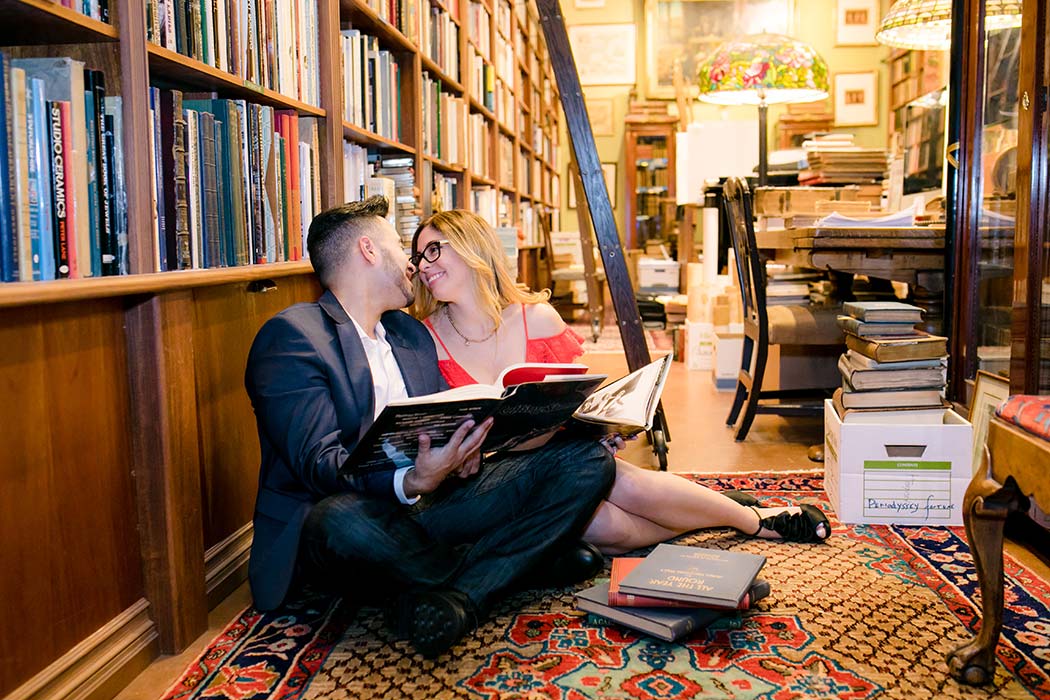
[{"x": 614, "y": 443}]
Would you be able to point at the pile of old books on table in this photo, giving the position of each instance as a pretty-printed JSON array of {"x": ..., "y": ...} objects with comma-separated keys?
[
  {"x": 889, "y": 365},
  {"x": 677, "y": 590}
]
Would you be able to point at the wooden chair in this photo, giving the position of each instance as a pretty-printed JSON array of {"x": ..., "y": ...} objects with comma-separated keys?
[
  {"x": 765, "y": 326},
  {"x": 1014, "y": 468}
]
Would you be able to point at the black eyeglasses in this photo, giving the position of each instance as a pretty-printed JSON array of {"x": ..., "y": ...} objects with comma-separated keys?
[{"x": 430, "y": 253}]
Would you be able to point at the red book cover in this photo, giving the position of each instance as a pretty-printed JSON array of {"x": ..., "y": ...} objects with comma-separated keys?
[
  {"x": 288, "y": 126},
  {"x": 536, "y": 372},
  {"x": 621, "y": 566}
]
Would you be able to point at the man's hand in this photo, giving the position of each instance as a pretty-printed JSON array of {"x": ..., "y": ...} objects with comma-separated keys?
[{"x": 461, "y": 455}]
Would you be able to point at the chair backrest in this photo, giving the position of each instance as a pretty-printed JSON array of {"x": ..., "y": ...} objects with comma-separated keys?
[{"x": 750, "y": 271}]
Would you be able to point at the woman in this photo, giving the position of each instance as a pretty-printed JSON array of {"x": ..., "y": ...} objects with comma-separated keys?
[{"x": 482, "y": 322}]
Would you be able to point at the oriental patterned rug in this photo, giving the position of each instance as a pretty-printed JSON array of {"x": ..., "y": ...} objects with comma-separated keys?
[{"x": 869, "y": 614}]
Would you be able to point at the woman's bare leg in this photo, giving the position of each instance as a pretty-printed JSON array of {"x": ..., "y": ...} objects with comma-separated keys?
[
  {"x": 668, "y": 503},
  {"x": 614, "y": 530}
]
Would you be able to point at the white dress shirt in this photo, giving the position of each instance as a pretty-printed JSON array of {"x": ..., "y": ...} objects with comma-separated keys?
[{"x": 388, "y": 384}]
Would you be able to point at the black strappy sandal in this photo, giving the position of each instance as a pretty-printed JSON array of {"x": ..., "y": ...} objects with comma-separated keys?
[
  {"x": 795, "y": 527},
  {"x": 741, "y": 497}
]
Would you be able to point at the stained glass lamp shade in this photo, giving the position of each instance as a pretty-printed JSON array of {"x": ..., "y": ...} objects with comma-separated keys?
[
  {"x": 763, "y": 69},
  {"x": 927, "y": 24}
]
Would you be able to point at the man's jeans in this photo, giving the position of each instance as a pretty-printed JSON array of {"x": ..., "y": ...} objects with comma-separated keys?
[{"x": 477, "y": 536}]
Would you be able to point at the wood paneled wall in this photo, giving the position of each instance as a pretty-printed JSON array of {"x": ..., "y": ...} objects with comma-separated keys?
[
  {"x": 84, "y": 510},
  {"x": 69, "y": 548},
  {"x": 225, "y": 322}
]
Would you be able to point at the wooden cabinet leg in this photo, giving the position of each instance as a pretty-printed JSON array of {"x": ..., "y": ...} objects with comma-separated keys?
[{"x": 986, "y": 506}]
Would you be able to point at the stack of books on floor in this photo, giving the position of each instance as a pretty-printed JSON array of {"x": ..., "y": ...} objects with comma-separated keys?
[
  {"x": 888, "y": 364},
  {"x": 676, "y": 591}
]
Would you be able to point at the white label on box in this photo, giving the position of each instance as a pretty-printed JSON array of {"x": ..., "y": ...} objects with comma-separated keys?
[{"x": 918, "y": 490}]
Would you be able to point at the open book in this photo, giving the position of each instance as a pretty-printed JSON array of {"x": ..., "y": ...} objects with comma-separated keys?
[{"x": 521, "y": 412}]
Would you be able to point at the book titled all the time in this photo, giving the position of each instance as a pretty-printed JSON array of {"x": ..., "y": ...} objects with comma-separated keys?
[{"x": 698, "y": 575}]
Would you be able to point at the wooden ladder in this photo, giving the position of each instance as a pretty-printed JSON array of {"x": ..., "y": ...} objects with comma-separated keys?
[{"x": 596, "y": 204}]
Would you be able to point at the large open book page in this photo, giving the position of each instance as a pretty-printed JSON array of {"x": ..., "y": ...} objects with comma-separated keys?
[{"x": 626, "y": 406}]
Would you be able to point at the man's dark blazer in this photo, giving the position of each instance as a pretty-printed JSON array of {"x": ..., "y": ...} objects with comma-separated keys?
[{"x": 311, "y": 388}]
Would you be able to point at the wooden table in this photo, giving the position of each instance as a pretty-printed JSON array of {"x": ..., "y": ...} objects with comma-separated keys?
[{"x": 913, "y": 254}]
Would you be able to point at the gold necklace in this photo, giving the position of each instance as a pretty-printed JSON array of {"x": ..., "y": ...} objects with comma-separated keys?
[{"x": 466, "y": 340}]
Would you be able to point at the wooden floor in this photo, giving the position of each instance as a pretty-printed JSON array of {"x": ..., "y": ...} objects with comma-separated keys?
[{"x": 700, "y": 442}]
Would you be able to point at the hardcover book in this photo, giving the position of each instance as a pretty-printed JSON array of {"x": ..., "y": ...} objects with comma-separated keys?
[
  {"x": 858, "y": 361},
  {"x": 866, "y": 329},
  {"x": 905, "y": 398},
  {"x": 668, "y": 624},
  {"x": 865, "y": 379},
  {"x": 697, "y": 575},
  {"x": 885, "y": 409},
  {"x": 883, "y": 311},
  {"x": 8, "y": 233},
  {"x": 621, "y": 566},
  {"x": 920, "y": 346},
  {"x": 521, "y": 412}
]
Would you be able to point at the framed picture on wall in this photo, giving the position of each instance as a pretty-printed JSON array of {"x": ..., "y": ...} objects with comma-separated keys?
[
  {"x": 604, "y": 53},
  {"x": 856, "y": 98},
  {"x": 609, "y": 171},
  {"x": 600, "y": 112},
  {"x": 989, "y": 391},
  {"x": 691, "y": 29},
  {"x": 856, "y": 22}
]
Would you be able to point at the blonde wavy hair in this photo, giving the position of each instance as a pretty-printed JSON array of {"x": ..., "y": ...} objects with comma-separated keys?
[{"x": 479, "y": 246}]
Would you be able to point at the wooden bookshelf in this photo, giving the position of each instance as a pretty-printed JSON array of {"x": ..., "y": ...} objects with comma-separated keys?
[
  {"x": 131, "y": 444},
  {"x": 61, "y": 25},
  {"x": 172, "y": 68}
]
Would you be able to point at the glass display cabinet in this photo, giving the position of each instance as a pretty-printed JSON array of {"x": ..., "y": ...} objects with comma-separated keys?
[{"x": 998, "y": 198}]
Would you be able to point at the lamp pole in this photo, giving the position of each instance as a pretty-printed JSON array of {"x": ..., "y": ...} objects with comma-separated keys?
[{"x": 763, "y": 159}]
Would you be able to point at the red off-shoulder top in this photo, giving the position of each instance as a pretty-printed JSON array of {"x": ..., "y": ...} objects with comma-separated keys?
[{"x": 564, "y": 347}]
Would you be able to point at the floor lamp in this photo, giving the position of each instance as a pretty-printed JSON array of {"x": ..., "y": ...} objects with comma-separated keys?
[
  {"x": 763, "y": 69},
  {"x": 927, "y": 24}
]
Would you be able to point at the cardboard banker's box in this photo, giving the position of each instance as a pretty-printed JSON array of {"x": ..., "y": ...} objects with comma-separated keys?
[{"x": 897, "y": 469}]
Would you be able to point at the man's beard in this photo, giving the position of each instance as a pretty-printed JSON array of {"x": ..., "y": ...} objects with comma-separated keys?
[{"x": 400, "y": 279}]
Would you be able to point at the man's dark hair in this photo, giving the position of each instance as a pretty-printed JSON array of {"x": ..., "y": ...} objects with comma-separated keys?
[{"x": 335, "y": 230}]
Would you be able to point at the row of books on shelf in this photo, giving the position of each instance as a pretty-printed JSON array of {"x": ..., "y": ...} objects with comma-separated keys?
[
  {"x": 234, "y": 182},
  {"x": 444, "y": 117},
  {"x": 366, "y": 174},
  {"x": 274, "y": 45},
  {"x": 677, "y": 591},
  {"x": 479, "y": 28},
  {"x": 371, "y": 85},
  {"x": 403, "y": 15},
  {"x": 889, "y": 365},
  {"x": 482, "y": 78},
  {"x": 95, "y": 9},
  {"x": 439, "y": 40},
  {"x": 61, "y": 172}
]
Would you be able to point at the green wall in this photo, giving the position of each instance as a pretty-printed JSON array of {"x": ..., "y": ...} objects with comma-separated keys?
[{"x": 814, "y": 24}]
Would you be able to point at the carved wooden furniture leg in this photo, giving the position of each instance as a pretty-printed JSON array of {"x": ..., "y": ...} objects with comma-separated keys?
[{"x": 985, "y": 509}]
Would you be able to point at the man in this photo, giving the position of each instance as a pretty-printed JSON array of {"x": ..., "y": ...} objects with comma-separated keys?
[{"x": 449, "y": 533}]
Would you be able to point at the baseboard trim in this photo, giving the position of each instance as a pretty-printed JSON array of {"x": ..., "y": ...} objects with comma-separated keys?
[
  {"x": 83, "y": 670},
  {"x": 226, "y": 565}
]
